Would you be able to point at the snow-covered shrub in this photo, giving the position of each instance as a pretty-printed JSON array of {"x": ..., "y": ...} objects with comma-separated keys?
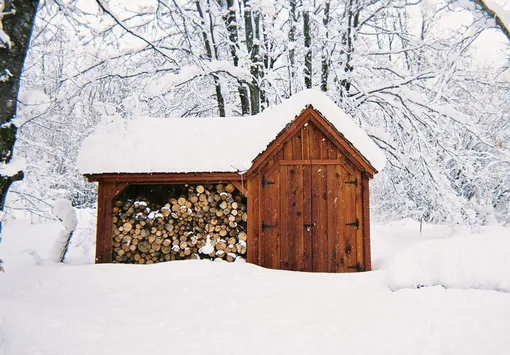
[{"x": 65, "y": 212}]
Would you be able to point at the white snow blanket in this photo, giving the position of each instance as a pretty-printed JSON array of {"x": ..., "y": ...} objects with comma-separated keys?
[
  {"x": 198, "y": 307},
  {"x": 181, "y": 145},
  {"x": 473, "y": 261}
]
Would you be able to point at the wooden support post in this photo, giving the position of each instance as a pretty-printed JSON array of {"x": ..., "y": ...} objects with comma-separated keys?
[
  {"x": 367, "y": 261},
  {"x": 107, "y": 191}
]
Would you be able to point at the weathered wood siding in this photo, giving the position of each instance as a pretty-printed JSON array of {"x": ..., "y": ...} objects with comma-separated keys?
[
  {"x": 311, "y": 213},
  {"x": 307, "y": 195}
]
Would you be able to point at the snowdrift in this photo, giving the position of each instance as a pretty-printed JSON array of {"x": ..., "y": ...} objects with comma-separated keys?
[
  {"x": 198, "y": 307},
  {"x": 479, "y": 261}
]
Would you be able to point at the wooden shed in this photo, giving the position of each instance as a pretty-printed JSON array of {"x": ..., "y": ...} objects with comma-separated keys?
[{"x": 304, "y": 167}]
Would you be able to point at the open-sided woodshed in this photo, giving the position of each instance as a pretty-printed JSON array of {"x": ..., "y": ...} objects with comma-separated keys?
[{"x": 303, "y": 168}]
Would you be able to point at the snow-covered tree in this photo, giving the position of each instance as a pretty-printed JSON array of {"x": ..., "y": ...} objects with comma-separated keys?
[
  {"x": 400, "y": 69},
  {"x": 16, "y": 23}
]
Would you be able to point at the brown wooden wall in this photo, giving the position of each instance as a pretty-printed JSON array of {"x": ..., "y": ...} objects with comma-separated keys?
[
  {"x": 110, "y": 185},
  {"x": 308, "y": 201},
  {"x": 107, "y": 190},
  {"x": 308, "y": 206}
]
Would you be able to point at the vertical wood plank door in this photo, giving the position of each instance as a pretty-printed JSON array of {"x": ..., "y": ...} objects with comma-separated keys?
[
  {"x": 270, "y": 219},
  {"x": 294, "y": 216},
  {"x": 336, "y": 231},
  {"x": 310, "y": 218}
]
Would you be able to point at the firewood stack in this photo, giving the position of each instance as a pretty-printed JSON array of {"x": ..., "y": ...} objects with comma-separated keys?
[{"x": 208, "y": 223}]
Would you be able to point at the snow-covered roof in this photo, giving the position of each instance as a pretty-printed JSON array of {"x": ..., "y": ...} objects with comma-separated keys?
[{"x": 183, "y": 145}]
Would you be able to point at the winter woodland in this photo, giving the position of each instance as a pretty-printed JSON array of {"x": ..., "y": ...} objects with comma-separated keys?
[{"x": 411, "y": 73}]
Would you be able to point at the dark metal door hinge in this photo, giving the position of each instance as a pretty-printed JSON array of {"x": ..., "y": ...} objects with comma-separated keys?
[
  {"x": 356, "y": 267},
  {"x": 264, "y": 226},
  {"x": 353, "y": 182},
  {"x": 267, "y": 182},
  {"x": 354, "y": 224}
]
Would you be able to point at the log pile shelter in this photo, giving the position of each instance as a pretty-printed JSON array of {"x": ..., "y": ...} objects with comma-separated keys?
[{"x": 303, "y": 167}]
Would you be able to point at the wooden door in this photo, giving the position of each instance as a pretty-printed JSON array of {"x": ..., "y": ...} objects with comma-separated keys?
[
  {"x": 336, "y": 234},
  {"x": 295, "y": 217},
  {"x": 310, "y": 218},
  {"x": 270, "y": 219}
]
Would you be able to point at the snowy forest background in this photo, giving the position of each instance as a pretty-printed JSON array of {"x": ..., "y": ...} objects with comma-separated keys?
[{"x": 428, "y": 80}]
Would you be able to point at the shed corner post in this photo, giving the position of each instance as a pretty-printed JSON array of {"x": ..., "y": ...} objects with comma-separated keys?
[
  {"x": 104, "y": 217},
  {"x": 365, "y": 190},
  {"x": 251, "y": 225},
  {"x": 100, "y": 224}
]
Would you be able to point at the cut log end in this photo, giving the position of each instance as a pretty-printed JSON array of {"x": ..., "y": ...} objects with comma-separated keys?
[{"x": 146, "y": 233}]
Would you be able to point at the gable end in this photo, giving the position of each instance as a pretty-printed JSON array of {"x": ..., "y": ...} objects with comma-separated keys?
[{"x": 311, "y": 136}]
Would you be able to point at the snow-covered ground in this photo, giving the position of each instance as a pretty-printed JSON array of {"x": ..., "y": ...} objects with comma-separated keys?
[{"x": 203, "y": 307}]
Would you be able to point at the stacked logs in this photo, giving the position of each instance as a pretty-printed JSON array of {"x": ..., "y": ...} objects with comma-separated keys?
[{"x": 208, "y": 222}]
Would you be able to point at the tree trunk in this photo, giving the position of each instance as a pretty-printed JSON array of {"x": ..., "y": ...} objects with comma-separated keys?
[
  {"x": 325, "y": 56},
  {"x": 17, "y": 23},
  {"x": 251, "y": 25},
  {"x": 490, "y": 10},
  {"x": 292, "y": 44},
  {"x": 352, "y": 27},
  {"x": 233, "y": 35},
  {"x": 308, "y": 45},
  {"x": 210, "y": 45}
]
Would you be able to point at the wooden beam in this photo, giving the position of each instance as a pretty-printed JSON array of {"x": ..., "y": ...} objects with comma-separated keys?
[
  {"x": 160, "y": 178},
  {"x": 314, "y": 116},
  {"x": 312, "y": 162},
  {"x": 100, "y": 224},
  {"x": 276, "y": 144},
  {"x": 104, "y": 225},
  {"x": 117, "y": 189},
  {"x": 241, "y": 186},
  {"x": 341, "y": 142},
  {"x": 365, "y": 192}
]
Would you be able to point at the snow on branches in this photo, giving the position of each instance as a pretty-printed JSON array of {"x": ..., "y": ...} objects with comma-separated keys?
[{"x": 5, "y": 40}]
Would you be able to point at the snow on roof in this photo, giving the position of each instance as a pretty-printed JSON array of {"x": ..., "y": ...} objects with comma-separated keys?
[{"x": 183, "y": 145}]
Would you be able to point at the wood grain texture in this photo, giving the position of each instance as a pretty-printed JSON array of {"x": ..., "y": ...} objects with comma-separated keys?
[
  {"x": 104, "y": 222},
  {"x": 308, "y": 116},
  {"x": 308, "y": 252},
  {"x": 242, "y": 186},
  {"x": 337, "y": 204},
  {"x": 253, "y": 218},
  {"x": 285, "y": 218},
  {"x": 297, "y": 146},
  {"x": 161, "y": 178},
  {"x": 349, "y": 240},
  {"x": 333, "y": 221},
  {"x": 305, "y": 139},
  {"x": 101, "y": 220},
  {"x": 367, "y": 260},
  {"x": 341, "y": 143},
  {"x": 309, "y": 164},
  {"x": 270, "y": 216},
  {"x": 319, "y": 218},
  {"x": 292, "y": 197},
  {"x": 297, "y": 207},
  {"x": 360, "y": 216}
]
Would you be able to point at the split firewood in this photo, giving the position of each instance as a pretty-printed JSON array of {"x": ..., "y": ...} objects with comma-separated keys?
[{"x": 144, "y": 232}]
